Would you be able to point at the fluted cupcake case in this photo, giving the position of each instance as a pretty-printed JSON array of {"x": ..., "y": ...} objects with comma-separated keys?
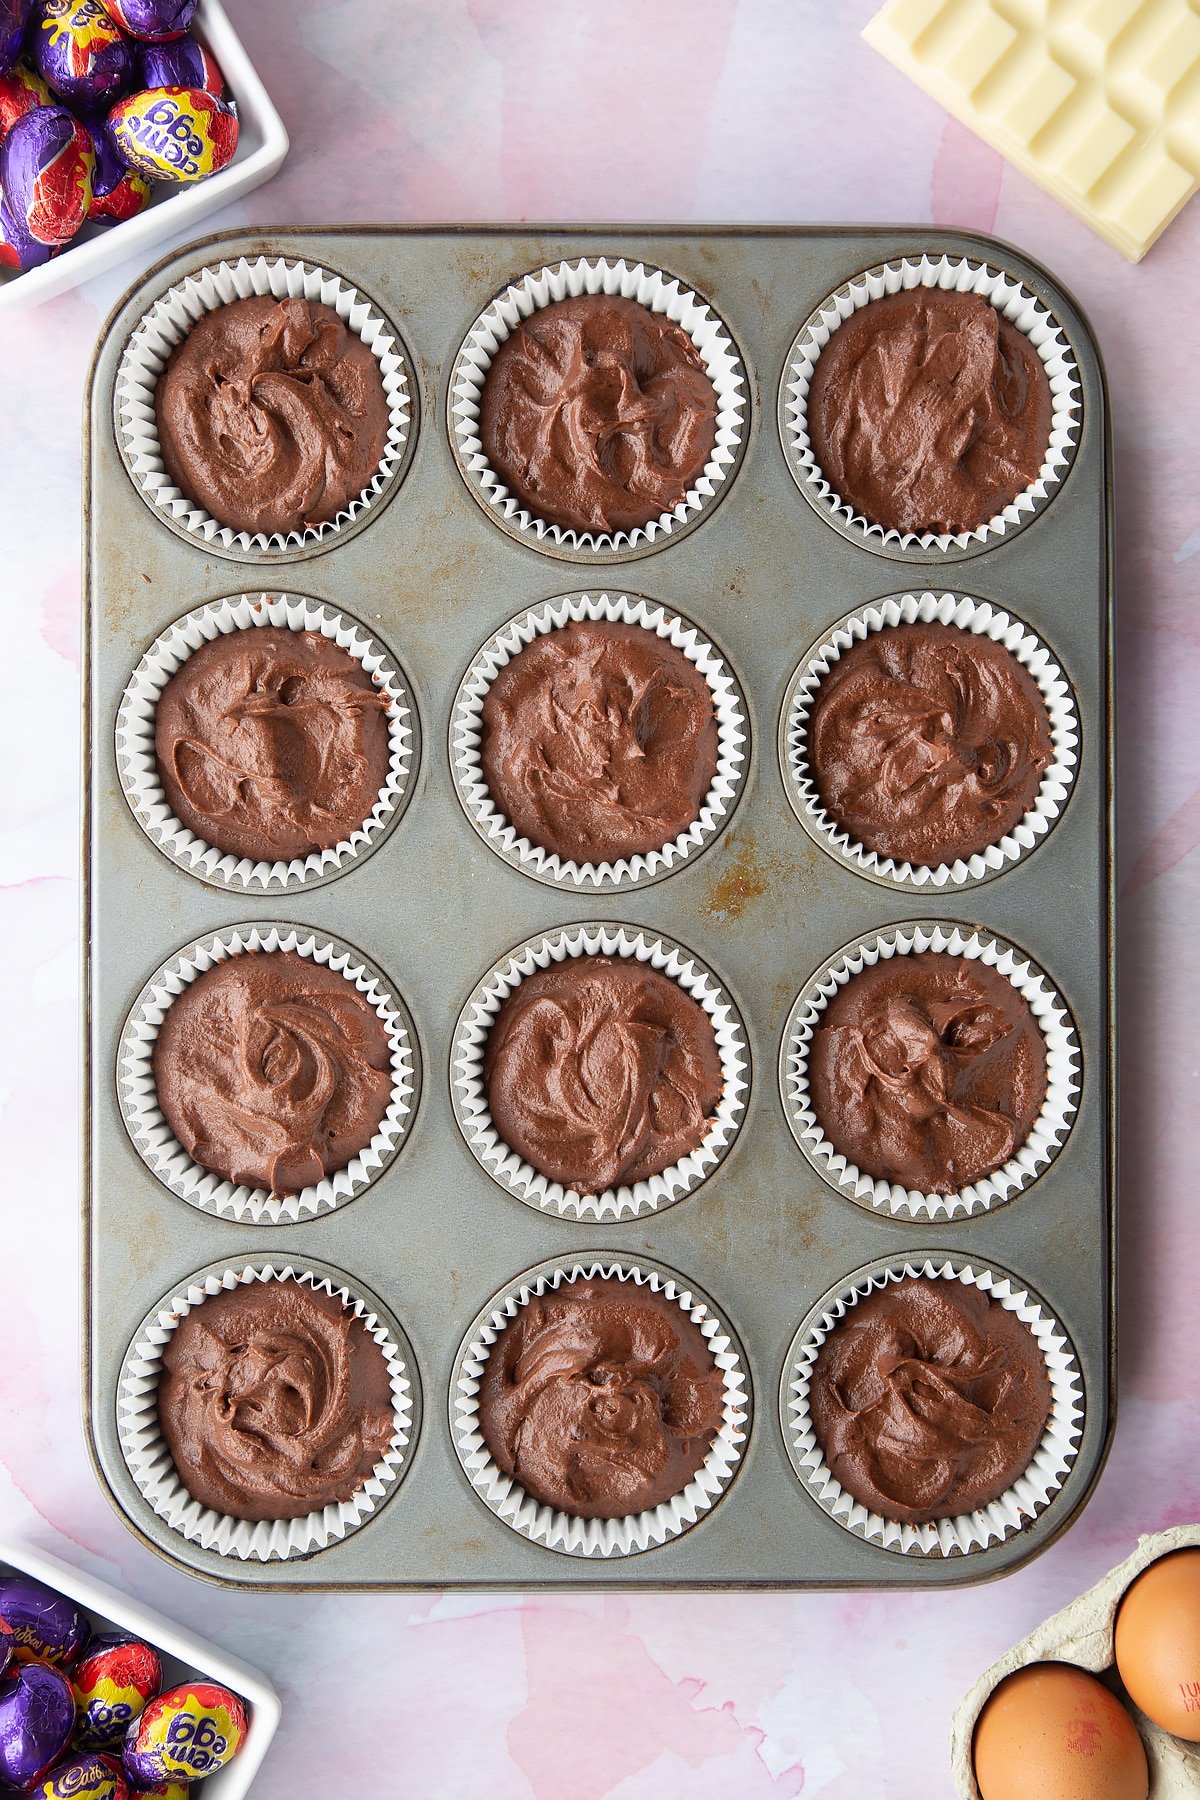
[{"x": 436, "y": 907}]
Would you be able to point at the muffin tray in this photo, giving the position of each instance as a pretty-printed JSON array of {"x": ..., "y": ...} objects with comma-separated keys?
[{"x": 763, "y": 904}]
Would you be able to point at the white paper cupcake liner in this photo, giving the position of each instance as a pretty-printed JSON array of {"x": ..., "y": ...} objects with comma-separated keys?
[
  {"x": 1049, "y": 1130},
  {"x": 166, "y": 325},
  {"x": 598, "y": 1538},
  {"x": 466, "y": 732},
  {"x": 965, "y": 1533},
  {"x": 153, "y": 1138},
  {"x": 960, "y": 275},
  {"x": 138, "y": 768},
  {"x": 652, "y": 288},
  {"x": 149, "y": 1461},
  {"x": 969, "y": 615},
  {"x": 469, "y": 1094}
]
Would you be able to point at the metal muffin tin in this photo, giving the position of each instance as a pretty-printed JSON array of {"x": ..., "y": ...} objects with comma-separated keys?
[{"x": 433, "y": 576}]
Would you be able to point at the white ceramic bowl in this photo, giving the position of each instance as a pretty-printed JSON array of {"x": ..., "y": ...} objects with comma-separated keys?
[
  {"x": 184, "y": 1657},
  {"x": 262, "y": 146}
]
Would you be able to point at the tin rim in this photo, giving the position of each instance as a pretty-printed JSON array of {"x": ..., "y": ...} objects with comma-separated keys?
[
  {"x": 1050, "y": 1130},
  {"x": 598, "y": 1539},
  {"x": 1014, "y": 300},
  {"x": 162, "y": 1152},
  {"x": 149, "y": 1461},
  {"x": 974, "y": 617},
  {"x": 468, "y": 1097},
  {"x": 166, "y": 324},
  {"x": 963, "y": 1534},
  {"x": 137, "y": 764},
  {"x": 733, "y": 731},
  {"x": 660, "y": 292}
]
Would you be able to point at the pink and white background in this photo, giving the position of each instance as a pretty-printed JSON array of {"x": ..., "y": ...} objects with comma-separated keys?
[{"x": 617, "y": 109}]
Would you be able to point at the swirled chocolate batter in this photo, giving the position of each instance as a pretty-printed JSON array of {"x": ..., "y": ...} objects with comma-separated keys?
[
  {"x": 928, "y": 743},
  {"x": 272, "y": 743},
  {"x": 274, "y": 1401},
  {"x": 271, "y": 415},
  {"x": 600, "y": 1072},
  {"x": 272, "y": 1070},
  {"x": 598, "y": 414},
  {"x": 929, "y": 1399},
  {"x": 599, "y": 741},
  {"x": 601, "y": 1398},
  {"x": 928, "y": 1070},
  {"x": 929, "y": 411}
]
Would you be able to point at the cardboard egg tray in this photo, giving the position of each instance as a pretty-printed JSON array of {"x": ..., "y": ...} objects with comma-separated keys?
[
  {"x": 763, "y": 575},
  {"x": 1082, "y": 1633}
]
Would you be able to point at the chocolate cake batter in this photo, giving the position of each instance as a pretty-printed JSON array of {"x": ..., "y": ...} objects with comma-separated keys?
[
  {"x": 928, "y": 1070},
  {"x": 274, "y": 1401},
  {"x": 928, "y": 743},
  {"x": 272, "y": 743},
  {"x": 599, "y": 741},
  {"x": 929, "y": 1399},
  {"x": 272, "y": 1070},
  {"x": 601, "y": 1398},
  {"x": 272, "y": 415},
  {"x": 598, "y": 414},
  {"x": 929, "y": 411},
  {"x": 600, "y": 1072}
]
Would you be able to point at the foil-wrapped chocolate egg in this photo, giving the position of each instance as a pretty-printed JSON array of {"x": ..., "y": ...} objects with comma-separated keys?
[
  {"x": 6, "y": 1639},
  {"x": 186, "y": 1733},
  {"x": 112, "y": 1683},
  {"x": 46, "y": 1626},
  {"x": 87, "y": 1777},
  {"x": 183, "y": 63},
  {"x": 17, "y": 249},
  {"x": 37, "y": 1716},
  {"x": 164, "y": 1790},
  {"x": 174, "y": 134},
  {"x": 21, "y": 89},
  {"x": 14, "y": 17},
  {"x": 118, "y": 192},
  {"x": 155, "y": 21},
  {"x": 80, "y": 54}
]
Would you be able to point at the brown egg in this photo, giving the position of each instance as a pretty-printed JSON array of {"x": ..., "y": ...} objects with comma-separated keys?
[
  {"x": 1052, "y": 1732},
  {"x": 1158, "y": 1643}
]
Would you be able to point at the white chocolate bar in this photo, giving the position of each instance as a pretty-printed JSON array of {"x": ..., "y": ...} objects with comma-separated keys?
[{"x": 1098, "y": 101}]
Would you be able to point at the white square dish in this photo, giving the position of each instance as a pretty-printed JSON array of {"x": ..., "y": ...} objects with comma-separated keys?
[
  {"x": 184, "y": 1657},
  {"x": 262, "y": 146}
]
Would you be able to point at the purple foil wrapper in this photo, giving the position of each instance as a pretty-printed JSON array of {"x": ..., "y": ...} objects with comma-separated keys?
[
  {"x": 44, "y": 1625},
  {"x": 155, "y": 21},
  {"x": 37, "y": 1716},
  {"x": 184, "y": 63},
  {"x": 14, "y": 17},
  {"x": 17, "y": 249},
  {"x": 118, "y": 192},
  {"x": 80, "y": 54},
  {"x": 87, "y": 1777}
]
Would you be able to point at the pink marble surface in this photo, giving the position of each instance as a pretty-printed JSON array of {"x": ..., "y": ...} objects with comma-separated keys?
[{"x": 661, "y": 109}]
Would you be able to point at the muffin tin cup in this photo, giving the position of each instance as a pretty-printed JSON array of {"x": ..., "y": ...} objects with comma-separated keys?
[
  {"x": 168, "y": 323},
  {"x": 153, "y": 1138},
  {"x": 661, "y": 293},
  {"x": 469, "y": 1094},
  {"x": 952, "y": 274},
  {"x": 545, "y": 1525},
  {"x": 966, "y": 1533},
  {"x": 1050, "y": 1128},
  {"x": 466, "y": 733},
  {"x": 138, "y": 767},
  {"x": 149, "y": 1460},
  {"x": 970, "y": 615}
]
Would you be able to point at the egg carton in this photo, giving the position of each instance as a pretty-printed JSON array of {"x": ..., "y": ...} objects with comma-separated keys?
[
  {"x": 185, "y": 1657},
  {"x": 433, "y": 571},
  {"x": 1082, "y": 1633}
]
